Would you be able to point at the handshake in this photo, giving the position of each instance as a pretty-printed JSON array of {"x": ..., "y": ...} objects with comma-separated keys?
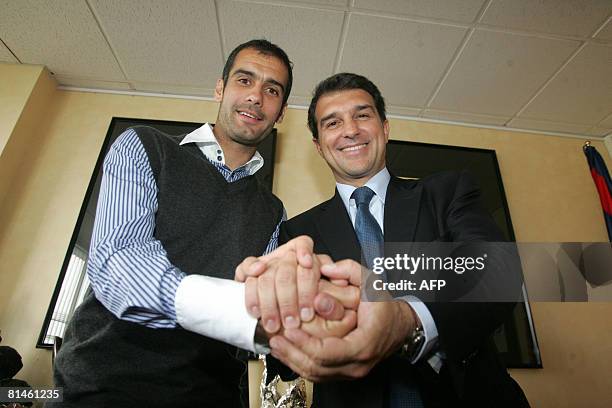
[{"x": 310, "y": 310}]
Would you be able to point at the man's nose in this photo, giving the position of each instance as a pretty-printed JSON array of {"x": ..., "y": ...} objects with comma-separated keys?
[
  {"x": 351, "y": 128},
  {"x": 255, "y": 95}
]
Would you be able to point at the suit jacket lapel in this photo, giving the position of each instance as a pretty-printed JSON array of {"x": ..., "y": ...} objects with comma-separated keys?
[
  {"x": 402, "y": 206},
  {"x": 337, "y": 231}
]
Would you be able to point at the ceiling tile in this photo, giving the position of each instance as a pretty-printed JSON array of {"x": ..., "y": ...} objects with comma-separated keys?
[
  {"x": 403, "y": 111},
  {"x": 548, "y": 126},
  {"x": 64, "y": 37},
  {"x": 333, "y": 3},
  {"x": 5, "y": 55},
  {"x": 600, "y": 132},
  {"x": 463, "y": 11},
  {"x": 408, "y": 74},
  {"x": 466, "y": 117},
  {"x": 607, "y": 122},
  {"x": 164, "y": 41},
  {"x": 173, "y": 89},
  {"x": 568, "y": 17},
  {"x": 91, "y": 83},
  {"x": 497, "y": 73},
  {"x": 581, "y": 93},
  {"x": 312, "y": 44},
  {"x": 606, "y": 32}
]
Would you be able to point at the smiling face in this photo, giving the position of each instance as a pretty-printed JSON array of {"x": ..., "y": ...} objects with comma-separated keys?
[
  {"x": 252, "y": 98},
  {"x": 352, "y": 137}
]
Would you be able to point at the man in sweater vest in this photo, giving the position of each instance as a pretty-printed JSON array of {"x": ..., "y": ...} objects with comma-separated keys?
[{"x": 165, "y": 321}]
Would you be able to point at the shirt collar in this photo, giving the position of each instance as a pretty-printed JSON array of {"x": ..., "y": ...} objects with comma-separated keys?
[
  {"x": 205, "y": 139},
  {"x": 378, "y": 183}
]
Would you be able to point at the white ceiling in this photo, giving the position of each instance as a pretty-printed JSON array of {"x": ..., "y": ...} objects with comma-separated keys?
[{"x": 541, "y": 65}]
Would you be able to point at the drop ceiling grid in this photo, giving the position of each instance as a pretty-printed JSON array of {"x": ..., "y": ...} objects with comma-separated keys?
[
  {"x": 449, "y": 68},
  {"x": 607, "y": 122},
  {"x": 405, "y": 59},
  {"x": 581, "y": 93},
  {"x": 327, "y": 36},
  {"x": 464, "y": 11},
  {"x": 599, "y": 131},
  {"x": 605, "y": 33},
  {"x": 5, "y": 54},
  {"x": 497, "y": 73},
  {"x": 342, "y": 42},
  {"x": 176, "y": 44},
  {"x": 314, "y": 3},
  {"x": 312, "y": 44},
  {"x": 64, "y": 37},
  {"x": 566, "y": 17}
]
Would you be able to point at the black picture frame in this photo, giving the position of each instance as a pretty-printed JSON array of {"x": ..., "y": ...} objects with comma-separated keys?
[
  {"x": 516, "y": 340},
  {"x": 84, "y": 224}
]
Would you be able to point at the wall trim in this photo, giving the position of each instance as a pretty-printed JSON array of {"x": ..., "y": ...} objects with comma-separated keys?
[{"x": 303, "y": 107}]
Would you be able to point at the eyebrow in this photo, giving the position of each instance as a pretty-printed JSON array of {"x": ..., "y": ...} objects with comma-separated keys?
[
  {"x": 252, "y": 75},
  {"x": 334, "y": 114}
]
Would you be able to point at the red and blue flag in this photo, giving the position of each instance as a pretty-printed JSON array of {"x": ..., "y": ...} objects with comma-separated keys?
[{"x": 603, "y": 183}]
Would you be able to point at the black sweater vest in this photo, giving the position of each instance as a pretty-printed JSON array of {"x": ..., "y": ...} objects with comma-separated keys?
[{"x": 207, "y": 226}]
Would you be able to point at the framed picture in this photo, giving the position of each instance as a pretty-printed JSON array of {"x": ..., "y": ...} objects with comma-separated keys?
[
  {"x": 72, "y": 283},
  {"x": 516, "y": 340}
]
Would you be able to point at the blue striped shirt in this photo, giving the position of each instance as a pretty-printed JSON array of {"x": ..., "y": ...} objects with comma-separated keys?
[{"x": 128, "y": 268}]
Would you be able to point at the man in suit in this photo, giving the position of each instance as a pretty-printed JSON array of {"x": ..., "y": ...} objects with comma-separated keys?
[{"x": 402, "y": 353}]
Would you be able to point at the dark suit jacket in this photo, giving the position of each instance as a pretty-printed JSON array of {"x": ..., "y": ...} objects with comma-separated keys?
[{"x": 442, "y": 207}]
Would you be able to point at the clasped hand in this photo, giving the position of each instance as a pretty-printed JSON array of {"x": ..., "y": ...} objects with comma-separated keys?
[{"x": 318, "y": 327}]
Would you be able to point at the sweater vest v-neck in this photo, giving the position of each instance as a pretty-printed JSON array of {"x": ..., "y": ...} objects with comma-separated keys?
[{"x": 207, "y": 226}]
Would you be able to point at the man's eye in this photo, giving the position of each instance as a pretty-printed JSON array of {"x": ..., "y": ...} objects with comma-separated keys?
[
  {"x": 363, "y": 115},
  {"x": 273, "y": 91},
  {"x": 331, "y": 124},
  {"x": 244, "y": 81}
]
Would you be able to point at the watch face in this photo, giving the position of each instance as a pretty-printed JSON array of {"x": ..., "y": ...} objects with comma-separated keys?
[
  {"x": 413, "y": 345},
  {"x": 418, "y": 341}
]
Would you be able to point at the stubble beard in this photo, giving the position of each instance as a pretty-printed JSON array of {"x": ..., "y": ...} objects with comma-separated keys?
[{"x": 240, "y": 134}]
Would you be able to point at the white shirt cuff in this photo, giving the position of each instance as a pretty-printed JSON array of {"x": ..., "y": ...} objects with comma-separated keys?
[
  {"x": 215, "y": 308},
  {"x": 430, "y": 331}
]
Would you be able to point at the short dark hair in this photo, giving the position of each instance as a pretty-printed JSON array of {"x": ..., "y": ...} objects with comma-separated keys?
[
  {"x": 343, "y": 82},
  {"x": 267, "y": 48}
]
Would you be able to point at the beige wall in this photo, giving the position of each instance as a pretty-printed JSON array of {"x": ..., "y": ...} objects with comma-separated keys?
[
  {"x": 25, "y": 93},
  {"x": 15, "y": 90},
  {"x": 550, "y": 194}
]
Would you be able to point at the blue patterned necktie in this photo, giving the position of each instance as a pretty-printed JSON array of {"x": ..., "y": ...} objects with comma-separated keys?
[
  {"x": 370, "y": 236},
  {"x": 368, "y": 231}
]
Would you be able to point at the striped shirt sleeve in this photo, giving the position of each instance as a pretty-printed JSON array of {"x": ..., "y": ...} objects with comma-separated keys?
[
  {"x": 273, "y": 243},
  {"x": 128, "y": 268}
]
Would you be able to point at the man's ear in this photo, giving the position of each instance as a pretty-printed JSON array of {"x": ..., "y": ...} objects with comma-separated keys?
[
  {"x": 219, "y": 90},
  {"x": 386, "y": 129},
  {"x": 281, "y": 115},
  {"x": 317, "y": 145}
]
